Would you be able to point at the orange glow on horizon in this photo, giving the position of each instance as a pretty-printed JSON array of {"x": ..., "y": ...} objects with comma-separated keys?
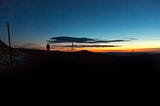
[
  {"x": 134, "y": 46},
  {"x": 111, "y": 49},
  {"x": 150, "y": 46}
]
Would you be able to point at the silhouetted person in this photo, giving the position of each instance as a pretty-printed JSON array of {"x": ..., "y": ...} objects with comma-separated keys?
[{"x": 48, "y": 47}]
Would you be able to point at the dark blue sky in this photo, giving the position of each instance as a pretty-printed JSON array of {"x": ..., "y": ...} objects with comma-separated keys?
[{"x": 32, "y": 22}]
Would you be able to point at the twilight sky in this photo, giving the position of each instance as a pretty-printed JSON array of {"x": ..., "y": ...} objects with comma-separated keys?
[{"x": 32, "y": 22}]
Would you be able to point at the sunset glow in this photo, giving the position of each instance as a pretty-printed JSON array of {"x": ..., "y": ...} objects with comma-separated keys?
[
  {"x": 32, "y": 23},
  {"x": 133, "y": 46}
]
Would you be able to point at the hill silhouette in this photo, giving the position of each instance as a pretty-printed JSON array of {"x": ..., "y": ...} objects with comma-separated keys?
[
  {"x": 3, "y": 46},
  {"x": 43, "y": 72},
  {"x": 39, "y": 63}
]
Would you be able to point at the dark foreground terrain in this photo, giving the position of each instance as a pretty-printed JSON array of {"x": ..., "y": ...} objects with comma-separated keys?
[{"x": 44, "y": 73}]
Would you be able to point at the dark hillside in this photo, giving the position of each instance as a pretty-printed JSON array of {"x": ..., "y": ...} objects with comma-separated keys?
[
  {"x": 44, "y": 71},
  {"x": 108, "y": 67}
]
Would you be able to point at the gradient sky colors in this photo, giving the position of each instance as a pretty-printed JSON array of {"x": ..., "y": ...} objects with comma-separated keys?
[{"x": 32, "y": 22}]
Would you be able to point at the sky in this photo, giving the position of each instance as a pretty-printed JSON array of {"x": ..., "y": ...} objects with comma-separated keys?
[{"x": 32, "y": 22}]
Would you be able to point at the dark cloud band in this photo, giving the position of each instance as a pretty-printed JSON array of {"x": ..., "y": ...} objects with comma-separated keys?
[
  {"x": 81, "y": 46},
  {"x": 65, "y": 39}
]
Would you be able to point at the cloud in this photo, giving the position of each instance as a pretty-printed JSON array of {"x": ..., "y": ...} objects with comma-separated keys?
[
  {"x": 66, "y": 39},
  {"x": 81, "y": 46},
  {"x": 133, "y": 38},
  {"x": 108, "y": 41}
]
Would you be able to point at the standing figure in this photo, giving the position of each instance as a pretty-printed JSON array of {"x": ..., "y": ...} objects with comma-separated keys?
[{"x": 48, "y": 47}]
